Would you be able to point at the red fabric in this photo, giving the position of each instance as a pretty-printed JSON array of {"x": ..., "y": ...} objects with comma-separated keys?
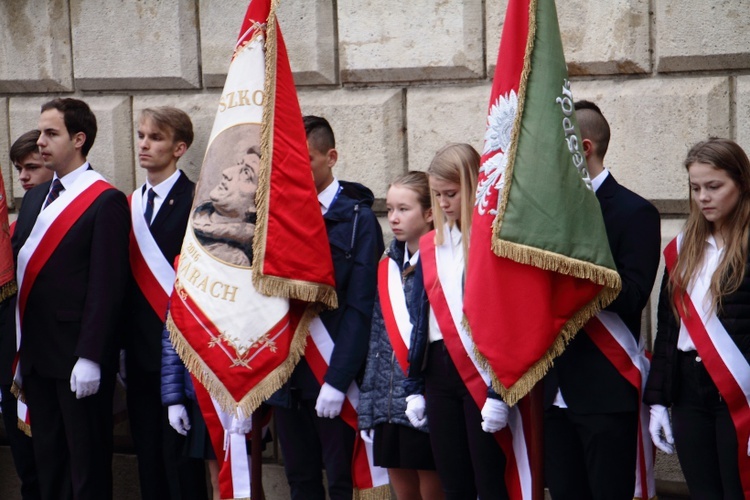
[
  {"x": 399, "y": 348},
  {"x": 7, "y": 270}
]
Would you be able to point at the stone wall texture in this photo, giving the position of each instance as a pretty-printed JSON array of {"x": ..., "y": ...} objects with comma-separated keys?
[{"x": 397, "y": 79}]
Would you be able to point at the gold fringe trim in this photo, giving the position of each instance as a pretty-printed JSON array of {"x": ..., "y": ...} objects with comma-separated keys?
[
  {"x": 17, "y": 391},
  {"x": 498, "y": 222},
  {"x": 382, "y": 492},
  {"x": 8, "y": 290},
  {"x": 260, "y": 392},
  {"x": 24, "y": 427},
  {"x": 550, "y": 261},
  {"x": 274, "y": 285}
]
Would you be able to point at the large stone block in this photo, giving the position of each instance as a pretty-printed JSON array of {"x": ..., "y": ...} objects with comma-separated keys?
[
  {"x": 202, "y": 110},
  {"x": 35, "y": 46},
  {"x": 369, "y": 128},
  {"x": 599, "y": 38},
  {"x": 654, "y": 122},
  {"x": 437, "y": 116},
  {"x": 692, "y": 35},
  {"x": 405, "y": 41},
  {"x": 742, "y": 113},
  {"x": 135, "y": 45},
  {"x": 308, "y": 29},
  {"x": 112, "y": 153},
  {"x": 6, "y": 169}
]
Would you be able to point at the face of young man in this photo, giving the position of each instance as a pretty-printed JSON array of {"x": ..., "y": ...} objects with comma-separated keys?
[
  {"x": 235, "y": 194},
  {"x": 157, "y": 149},
  {"x": 31, "y": 171},
  {"x": 60, "y": 152},
  {"x": 321, "y": 164}
]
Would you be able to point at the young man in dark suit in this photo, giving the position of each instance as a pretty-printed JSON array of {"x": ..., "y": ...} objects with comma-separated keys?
[
  {"x": 160, "y": 209},
  {"x": 70, "y": 244},
  {"x": 591, "y": 410}
]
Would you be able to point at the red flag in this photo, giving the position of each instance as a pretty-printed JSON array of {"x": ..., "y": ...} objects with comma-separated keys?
[
  {"x": 255, "y": 266},
  {"x": 7, "y": 269},
  {"x": 539, "y": 263}
]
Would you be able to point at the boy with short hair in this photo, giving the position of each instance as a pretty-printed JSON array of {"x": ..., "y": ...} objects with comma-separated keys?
[{"x": 311, "y": 432}]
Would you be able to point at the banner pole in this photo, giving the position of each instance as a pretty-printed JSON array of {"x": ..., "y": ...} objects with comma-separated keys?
[
  {"x": 256, "y": 457},
  {"x": 536, "y": 438}
]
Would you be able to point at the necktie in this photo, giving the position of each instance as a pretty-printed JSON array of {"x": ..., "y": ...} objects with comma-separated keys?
[
  {"x": 149, "y": 213},
  {"x": 57, "y": 187},
  {"x": 408, "y": 269}
]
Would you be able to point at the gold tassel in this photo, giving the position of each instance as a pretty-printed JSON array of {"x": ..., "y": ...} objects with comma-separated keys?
[
  {"x": 8, "y": 290},
  {"x": 382, "y": 492},
  {"x": 24, "y": 427}
]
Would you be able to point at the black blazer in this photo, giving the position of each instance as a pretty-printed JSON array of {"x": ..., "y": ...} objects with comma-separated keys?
[
  {"x": 74, "y": 307},
  {"x": 143, "y": 328},
  {"x": 589, "y": 382}
]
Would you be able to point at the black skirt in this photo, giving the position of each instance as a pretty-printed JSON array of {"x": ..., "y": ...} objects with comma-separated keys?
[{"x": 400, "y": 447}]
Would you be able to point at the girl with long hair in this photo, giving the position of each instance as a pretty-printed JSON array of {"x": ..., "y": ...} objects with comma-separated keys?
[
  {"x": 700, "y": 366},
  {"x": 443, "y": 389}
]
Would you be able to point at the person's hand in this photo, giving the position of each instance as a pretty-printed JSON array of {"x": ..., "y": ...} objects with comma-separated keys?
[
  {"x": 415, "y": 410},
  {"x": 367, "y": 435},
  {"x": 660, "y": 423},
  {"x": 85, "y": 378},
  {"x": 178, "y": 419},
  {"x": 241, "y": 425},
  {"x": 494, "y": 415},
  {"x": 329, "y": 401}
]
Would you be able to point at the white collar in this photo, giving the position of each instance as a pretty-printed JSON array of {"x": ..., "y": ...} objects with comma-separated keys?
[
  {"x": 597, "y": 181},
  {"x": 328, "y": 195}
]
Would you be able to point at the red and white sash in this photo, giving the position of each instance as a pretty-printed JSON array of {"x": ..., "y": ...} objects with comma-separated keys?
[
  {"x": 50, "y": 228},
  {"x": 368, "y": 479},
  {"x": 153, "y": 273},
  {"x": 722, "y": 358},
  {"x": 611, "y": 335},
  {"x": 395, "y": 313},
  {"x": 447, "y": 303}
]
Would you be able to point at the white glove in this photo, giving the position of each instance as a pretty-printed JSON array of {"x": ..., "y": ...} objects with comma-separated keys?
[
  {"x": 122, "y": 375},
  {"x": 415, "y": 410},
  {"x": 241, "y": 425},
  {"x": 329, "y": 401},
  {"x": 660, "y": 422},
  {"x": 178, "y": 418},
  {"x": 85, "y": 378},
  {"x": 494, "y": 415},
  {"x": 367, "y": 435}
]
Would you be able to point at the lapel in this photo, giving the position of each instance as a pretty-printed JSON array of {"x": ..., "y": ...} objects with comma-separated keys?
[
  {"x": 31, "y": 206},
  {"x": 607, "y": 191},
  {"x": 174, "y": 198}
]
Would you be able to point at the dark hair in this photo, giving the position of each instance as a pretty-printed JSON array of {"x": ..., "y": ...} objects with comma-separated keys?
[
  {"x": 418, "y": 182},
  {"x": 176, "y": 120},
  {"x": 319, "y": 133},
  {"x": 593, "y": 126},
  {"x": 254, "y": 150},
  {"x": 78, "y": 117},
  {"x": 24, "y": 146}
]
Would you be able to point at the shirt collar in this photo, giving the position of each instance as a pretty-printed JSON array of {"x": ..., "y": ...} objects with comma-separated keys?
[
  {"x": 164, "y": 187},
  {"x": 326, "y": 197},
  {"x": 69, "y": 179},
  {"x": 597, "y": 181}
]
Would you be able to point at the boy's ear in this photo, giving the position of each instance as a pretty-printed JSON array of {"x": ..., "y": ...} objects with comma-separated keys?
[
  {"x": 428, "y": 215},
  {"x": 332, "y": 156},
  {"x": 79, "y": 138},
  {"x": 179, "y": 149},
  {"x": 588, "y": 147}
]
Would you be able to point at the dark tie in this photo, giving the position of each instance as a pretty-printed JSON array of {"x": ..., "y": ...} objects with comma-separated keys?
[
  {"x": 408, "y": 269},
  {"x": 149, "y": 213},
  {"x": 55, "y": 192}
]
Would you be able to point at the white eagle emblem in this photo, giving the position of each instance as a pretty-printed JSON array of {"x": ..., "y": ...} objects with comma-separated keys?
[{"x": 496, "y": 139}]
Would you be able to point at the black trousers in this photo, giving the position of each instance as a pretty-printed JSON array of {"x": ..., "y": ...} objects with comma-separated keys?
[
  {"x": 72, "y": 438},
  {"x": 704, "y": 434},
  {"x": 310, "y": 443},
  {"x": 164, "y": 470},
  {"x": 21, "y": 447},
  {"x": 469, "y": 461},
  {"x": 590, "y": 456}
]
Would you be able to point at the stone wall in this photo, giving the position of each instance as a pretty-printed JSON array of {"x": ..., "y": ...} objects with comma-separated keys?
[{"x": 397, "y": 79}]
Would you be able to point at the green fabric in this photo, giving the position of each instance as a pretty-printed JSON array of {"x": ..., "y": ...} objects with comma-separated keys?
[{"x": 549, "y": 206}]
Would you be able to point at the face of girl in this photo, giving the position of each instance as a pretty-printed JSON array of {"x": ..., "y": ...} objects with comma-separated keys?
[
  {"x": 714, "y": 192},
  {"x": 405, "y": 215},
  {"x": 448, "y": 196}
]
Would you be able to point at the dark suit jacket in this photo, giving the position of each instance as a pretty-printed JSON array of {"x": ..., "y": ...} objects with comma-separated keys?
[
  {"x": 589, "y": 382},
  {"x": 142, "y": 335},
  {"x": 75, "y": 305}
]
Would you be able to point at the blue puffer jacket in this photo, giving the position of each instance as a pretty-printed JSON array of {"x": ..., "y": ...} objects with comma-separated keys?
[
  {"x": 356, "y": 242},
  {"x": 176, "y": 385},
  {"x": 383, "y": 398}
]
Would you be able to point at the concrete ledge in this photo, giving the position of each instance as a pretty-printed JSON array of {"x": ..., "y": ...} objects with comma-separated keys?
[
  {"x": 35, "y": 47},
  {"x": 654, "y": 122},
  {"x": 137, "y": 45}
]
